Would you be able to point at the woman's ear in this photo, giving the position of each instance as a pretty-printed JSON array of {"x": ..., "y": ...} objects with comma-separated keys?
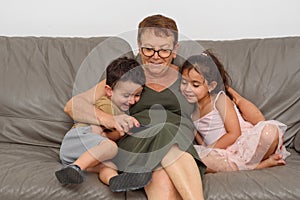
[
  {"x": 108, "y": 91},
  {"x": 174, "y": 52},
  {"x": 139, "y": 47},
  {"x": 212, "y": 86}
]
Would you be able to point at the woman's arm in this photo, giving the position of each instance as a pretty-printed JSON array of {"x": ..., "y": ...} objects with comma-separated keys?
[
  {"x": 248, "y": 110},
  {"x": 231, "y": 123},
  {"x": 81, "y": 108}
]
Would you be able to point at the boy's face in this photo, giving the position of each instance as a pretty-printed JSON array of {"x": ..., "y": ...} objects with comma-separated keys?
[{"x": 125, "y": 94}]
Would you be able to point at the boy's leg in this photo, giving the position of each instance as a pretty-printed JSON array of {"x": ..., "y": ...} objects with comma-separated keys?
[
  {"x": 105, "y": 150},
  {"x": 106, "y": 171}
]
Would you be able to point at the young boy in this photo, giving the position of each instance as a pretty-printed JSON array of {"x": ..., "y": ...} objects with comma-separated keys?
[{"x": 86, "y": 147}]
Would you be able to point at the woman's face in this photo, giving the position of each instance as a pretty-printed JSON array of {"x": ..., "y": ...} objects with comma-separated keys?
[{"x": 156, "y": 65}]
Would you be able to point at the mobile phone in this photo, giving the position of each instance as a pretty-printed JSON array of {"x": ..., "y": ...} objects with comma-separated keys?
[{"x": 135, "y": 129}]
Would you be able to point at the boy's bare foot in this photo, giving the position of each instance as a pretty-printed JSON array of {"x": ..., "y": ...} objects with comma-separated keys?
[{"x": 273, "y": 160}]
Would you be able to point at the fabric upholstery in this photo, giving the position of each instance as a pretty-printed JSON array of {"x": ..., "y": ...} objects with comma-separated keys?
[
  {"x": 265, "y": 71},
  {"x": 38, "y": 75}
]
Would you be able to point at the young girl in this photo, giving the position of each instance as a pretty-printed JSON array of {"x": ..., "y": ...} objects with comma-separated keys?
[{"x": 229, "y": 139}]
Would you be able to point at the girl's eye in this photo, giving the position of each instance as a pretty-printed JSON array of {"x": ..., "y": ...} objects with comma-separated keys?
[
  {"x": 183, "y": 81},
  {"x": 196, "y": 85}
]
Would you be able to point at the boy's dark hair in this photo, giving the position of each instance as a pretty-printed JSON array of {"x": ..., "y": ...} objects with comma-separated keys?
[{"x": 124, "y": 69}]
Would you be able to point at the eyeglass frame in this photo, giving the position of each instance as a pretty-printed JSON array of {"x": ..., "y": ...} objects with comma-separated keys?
[{"x": 156, "y": 51}]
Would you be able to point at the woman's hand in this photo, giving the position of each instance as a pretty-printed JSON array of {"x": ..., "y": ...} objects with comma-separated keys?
[{"x": 248, "y": 110}]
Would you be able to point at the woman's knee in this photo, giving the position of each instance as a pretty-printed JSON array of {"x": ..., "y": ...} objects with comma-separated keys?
[
  {"x": 174, "y": 154},
  {"x": 161, "y": 186}
]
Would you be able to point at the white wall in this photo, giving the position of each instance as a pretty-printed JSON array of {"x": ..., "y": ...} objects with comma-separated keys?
[{"x": 197, "y": 19}]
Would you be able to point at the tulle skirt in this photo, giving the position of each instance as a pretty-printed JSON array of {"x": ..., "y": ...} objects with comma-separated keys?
[{"x": 248, "y": 150}]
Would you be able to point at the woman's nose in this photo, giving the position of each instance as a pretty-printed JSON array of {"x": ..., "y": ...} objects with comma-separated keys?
[{"x": 155, "y": 55}]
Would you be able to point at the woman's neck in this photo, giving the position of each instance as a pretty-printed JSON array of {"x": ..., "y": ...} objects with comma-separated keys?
[{"x": 159, "y": 82}]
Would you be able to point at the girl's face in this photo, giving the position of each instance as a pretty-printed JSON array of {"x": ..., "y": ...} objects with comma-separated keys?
[
  {"x": 193, "y": 86},
  {"x": 155, "y": 65}
]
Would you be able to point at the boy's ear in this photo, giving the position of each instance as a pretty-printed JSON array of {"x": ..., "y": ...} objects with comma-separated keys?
[
  {"x": 108, "y": 91},
  {"x": 212, "y": 86}
]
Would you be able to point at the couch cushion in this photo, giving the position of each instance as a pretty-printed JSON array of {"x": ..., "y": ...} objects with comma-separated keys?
[
  {"x": 39, "y": 75},
  {"x": 265, "y": 71},
  {"x": 281, "y": 182},
  {"x": 27, "y": 173},
  {"x": 297, "y": 142}
]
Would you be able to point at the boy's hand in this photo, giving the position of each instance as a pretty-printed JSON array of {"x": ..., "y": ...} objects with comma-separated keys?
[{"x": 122, "y": 123}]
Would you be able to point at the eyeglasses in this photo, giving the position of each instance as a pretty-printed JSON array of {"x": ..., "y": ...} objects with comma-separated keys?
[{"x": 163, "y": 53}]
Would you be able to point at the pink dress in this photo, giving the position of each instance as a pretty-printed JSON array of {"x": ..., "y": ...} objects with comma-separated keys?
[{"x": 247, "y": 151}]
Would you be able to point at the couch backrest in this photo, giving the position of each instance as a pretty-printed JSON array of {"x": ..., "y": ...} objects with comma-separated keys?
[
  {"x": 266, "y": 71},
  {"x": 39, "y": 75}
]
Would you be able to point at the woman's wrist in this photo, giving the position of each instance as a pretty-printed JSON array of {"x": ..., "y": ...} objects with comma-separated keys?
[{"x": 100, "y": 116}]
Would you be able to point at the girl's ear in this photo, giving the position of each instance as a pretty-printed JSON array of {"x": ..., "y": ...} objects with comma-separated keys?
[
  {"x": 212, "y": 86},
  {"x": 108, "y": 91}
]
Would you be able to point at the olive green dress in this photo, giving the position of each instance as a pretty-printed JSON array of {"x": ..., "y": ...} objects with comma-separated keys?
[{"x": 167, "y": 117}]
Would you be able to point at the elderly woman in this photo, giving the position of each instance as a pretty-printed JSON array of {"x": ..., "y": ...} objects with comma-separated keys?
[{"x": 164, "y": 145}]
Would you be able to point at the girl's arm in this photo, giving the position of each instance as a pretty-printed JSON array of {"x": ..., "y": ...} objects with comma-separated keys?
[
  {"x": 248, "y": 110},
  {"x": 231, "y": 123}
]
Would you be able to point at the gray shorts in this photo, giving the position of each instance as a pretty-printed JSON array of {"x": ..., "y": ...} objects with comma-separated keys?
[{"x": 76, "y": 142}]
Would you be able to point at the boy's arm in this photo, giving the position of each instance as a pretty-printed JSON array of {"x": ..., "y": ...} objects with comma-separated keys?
[
  {"x": 248, "y": 110},
  {"x": 81, "y": 108}
]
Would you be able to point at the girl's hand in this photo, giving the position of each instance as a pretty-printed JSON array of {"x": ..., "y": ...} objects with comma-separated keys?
[{"x": 198, "y": 138}]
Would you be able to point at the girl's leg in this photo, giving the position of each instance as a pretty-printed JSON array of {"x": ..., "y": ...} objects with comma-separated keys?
[
  {"x": 184, "y": 173},
  {"x": 161, "y": 187},
  {"x": 266, "y": 148},
  {"x": 269, "y": 140},
  {"x": 273, "y": 160}
]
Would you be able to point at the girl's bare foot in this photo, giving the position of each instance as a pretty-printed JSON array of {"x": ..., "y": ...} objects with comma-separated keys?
[{"x": 273, "y": 160}]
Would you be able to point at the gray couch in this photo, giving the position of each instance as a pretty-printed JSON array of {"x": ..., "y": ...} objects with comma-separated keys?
[{"x": 39, "y": 75}]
